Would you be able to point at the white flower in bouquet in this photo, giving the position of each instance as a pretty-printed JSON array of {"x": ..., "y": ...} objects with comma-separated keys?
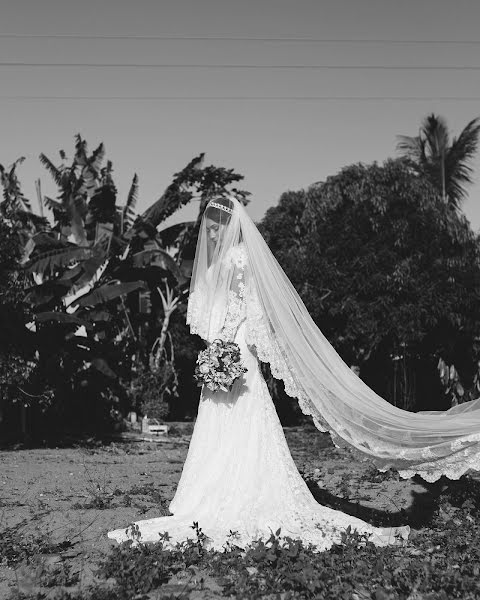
[{"x": 219, "y": 366}]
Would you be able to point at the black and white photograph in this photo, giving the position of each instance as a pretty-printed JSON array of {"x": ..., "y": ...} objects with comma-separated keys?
[{"x": 239, "y": 300}]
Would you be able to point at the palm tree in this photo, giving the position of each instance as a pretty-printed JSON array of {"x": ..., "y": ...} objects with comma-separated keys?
[{"x": 446, "y": 163}]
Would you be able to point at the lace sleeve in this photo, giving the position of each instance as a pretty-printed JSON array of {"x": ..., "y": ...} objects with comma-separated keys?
[{"x": 236, "y": 311}]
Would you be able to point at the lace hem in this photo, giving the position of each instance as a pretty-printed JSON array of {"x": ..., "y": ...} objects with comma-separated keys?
[
  {"x": 193, "y": 312},
  {"x": 453, "y": 466}
]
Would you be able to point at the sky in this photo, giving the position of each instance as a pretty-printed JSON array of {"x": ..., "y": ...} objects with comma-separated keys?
[{"x": 277, "y": 144}]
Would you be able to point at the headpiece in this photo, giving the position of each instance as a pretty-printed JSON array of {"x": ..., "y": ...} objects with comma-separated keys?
[{"x": 220, "y": 206}]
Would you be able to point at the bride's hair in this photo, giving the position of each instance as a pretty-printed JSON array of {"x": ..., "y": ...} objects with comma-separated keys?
[{"x": 220, "y": 210}]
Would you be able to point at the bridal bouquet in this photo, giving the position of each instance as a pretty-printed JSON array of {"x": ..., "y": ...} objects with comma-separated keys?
[{"x": 219, "y": 366}]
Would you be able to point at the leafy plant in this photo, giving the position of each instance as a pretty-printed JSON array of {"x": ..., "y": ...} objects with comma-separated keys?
[
  {"x": 430, "y": 566},
  {"x": 17, "y": 546}
]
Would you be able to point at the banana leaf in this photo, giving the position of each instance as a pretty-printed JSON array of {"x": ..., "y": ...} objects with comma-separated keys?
[
  {"x": 54, "y": 171},
  {"x": 156, "y": 257},
  {"x": 61, "y": 318},
  {"x": 44, "y": 241},
  {"x": 186, "y": 267},
  {"x": 72, "y": 273},
  {"x": 57, "y": 258},
  {"x": 175, "y": 196},
  {"x": 58, "y": 209},
  {"x": 44, "y": 293},
  {"x": 171, "y": 236},
  {"x": 98, "y": 315},
  {"x": 128, "y": 211},
  {"x": 109, "y": 292},
  {"x": 101, "y": 365}
]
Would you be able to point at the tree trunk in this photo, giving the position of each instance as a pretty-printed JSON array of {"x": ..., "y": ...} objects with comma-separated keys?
[
  {"x": 402, "y": 388},
  {"x": 24, "y": 423}
]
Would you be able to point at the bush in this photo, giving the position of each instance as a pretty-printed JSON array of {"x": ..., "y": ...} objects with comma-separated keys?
[{"x": 147, "y": 390}]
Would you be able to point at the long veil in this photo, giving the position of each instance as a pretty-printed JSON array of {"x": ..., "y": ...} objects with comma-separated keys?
[{"x": 284, "y": 334}]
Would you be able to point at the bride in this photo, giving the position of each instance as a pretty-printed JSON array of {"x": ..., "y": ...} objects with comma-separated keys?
[{"x": 239, "y": 475}]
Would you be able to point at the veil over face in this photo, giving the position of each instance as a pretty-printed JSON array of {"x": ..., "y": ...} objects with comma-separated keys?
[
  {"x": 211, "y": 281},
  {"x": 283, "y": 334}
]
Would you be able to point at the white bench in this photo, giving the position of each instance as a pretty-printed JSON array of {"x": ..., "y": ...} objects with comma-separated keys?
[
  {"x": 158, "y": 429},
  {"x": 154, "y": 426}
]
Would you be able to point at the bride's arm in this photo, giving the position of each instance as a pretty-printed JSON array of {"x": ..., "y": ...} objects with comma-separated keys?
[{"x": 236, "y": 312}]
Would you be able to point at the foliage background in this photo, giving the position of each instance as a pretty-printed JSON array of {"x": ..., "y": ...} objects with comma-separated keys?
[
  {"x": 390, "y": 274},
  {"x": 93, "y": 303}
]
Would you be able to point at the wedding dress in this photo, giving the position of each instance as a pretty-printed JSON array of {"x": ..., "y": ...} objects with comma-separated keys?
[{"x": 239, "y": 476}]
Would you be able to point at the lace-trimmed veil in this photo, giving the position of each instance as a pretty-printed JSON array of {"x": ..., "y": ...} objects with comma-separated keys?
[{"x": 280, "y": 328}]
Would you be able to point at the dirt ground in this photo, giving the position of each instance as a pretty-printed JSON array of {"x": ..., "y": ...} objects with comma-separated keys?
[{"x": 78, "y": 494}]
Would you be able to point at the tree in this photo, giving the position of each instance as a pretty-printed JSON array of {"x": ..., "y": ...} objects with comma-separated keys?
[
  {"x": 446, "y": 164},
  {"x": 284, "y": 230},
  {"x": 389, "y": 273}
]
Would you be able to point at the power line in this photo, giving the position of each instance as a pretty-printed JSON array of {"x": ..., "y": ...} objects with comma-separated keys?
[
  {"x": 237, "y": 39},
  {"x": 244, "y": 66},
  {"x": 252, "y": 98}
]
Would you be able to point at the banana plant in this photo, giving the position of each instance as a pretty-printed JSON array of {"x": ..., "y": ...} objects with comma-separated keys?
[
  {"x": 106, "y": 276},
  {"x": 16, "y": 208},
  {"x": 68, "y": 261}
]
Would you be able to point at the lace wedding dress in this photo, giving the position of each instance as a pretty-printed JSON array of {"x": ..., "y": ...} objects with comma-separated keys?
[{"x": 239, "y": 475}]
